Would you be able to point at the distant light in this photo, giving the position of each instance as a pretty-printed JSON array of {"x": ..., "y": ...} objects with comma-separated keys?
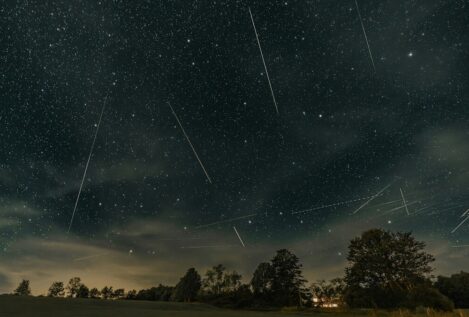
[{"x": 410, "y": 54}]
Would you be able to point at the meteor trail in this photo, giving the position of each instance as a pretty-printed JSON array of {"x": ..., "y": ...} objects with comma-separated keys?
[
  {"x": 263, "y": 61},
  {"x": 405, "y": 204},
  {"x": 190, "y": 143},
  {"x": 366, "y": 38},
  {"x": 331, "y": 205},
  {"x": 372, "y": 197},
  {"x": 89, "y": 257},
  {"x": 239, "y": 237},
  {"x": 400, "y": 207},
  {"x": 460, "y": 224},
  {"x": 464, "y": 214},
  {"x": 461, "y": 246},
  {"x": 209, "y": 246},
  {"x": 87, "y": 164},
  {"x": 225, "y": 221}
]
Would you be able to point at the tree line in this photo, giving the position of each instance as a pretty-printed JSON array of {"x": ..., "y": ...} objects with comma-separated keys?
[{"x": 385, "y": 270}]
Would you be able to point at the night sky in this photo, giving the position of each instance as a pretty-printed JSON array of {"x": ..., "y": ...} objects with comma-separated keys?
[{"x": 347, "y": 135}]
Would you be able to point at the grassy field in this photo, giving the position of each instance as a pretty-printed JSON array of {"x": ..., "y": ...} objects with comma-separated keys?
[{"x": 14, "y": 306}]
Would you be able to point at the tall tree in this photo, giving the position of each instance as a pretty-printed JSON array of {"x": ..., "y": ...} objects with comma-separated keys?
[
  {"x": 83, "y": 291},
  {"x": 288, "y": 283},
  {"x": 73, "y": 286},
  {"x": 118, "y": 293},
  {"x": 188, "y": 287},
  {"x": 231, "y": 281},
  {"x": 56, "y": 290},
  {"x": 132, "y": 294},
  {"x": 384, "y": 267},
  {"x": 213, "y": 281},
  {"x": 106, "y": 292},
  {"x": 95, "y": 293},
  {"x": 23, "y": 288},
  {"x": 261, "y": 281}
]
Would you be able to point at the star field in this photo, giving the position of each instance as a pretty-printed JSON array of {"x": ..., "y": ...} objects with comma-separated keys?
[{"x": 350, "y": 131}]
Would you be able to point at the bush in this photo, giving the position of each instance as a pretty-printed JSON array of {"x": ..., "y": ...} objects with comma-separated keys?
[
  {"x": 421, "y": 295},
  {"x": 374, "y": 297},
  {"x": 429, "y": 297}
]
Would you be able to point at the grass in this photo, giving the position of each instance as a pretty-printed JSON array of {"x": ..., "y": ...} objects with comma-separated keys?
[{"x": 18, "y": 306}]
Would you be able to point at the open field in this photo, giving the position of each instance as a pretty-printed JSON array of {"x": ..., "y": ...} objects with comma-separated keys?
[{"x": 46, "y": 307}]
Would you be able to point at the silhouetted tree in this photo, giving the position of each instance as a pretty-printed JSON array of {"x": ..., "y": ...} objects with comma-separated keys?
[
  {"x": 118, "y": 293},
  {"x": 160, "y": 293},
  {"x": 23, "y": 288},
  {"x": 188, "y": 287},
  {"x": 456, "y": 287},
  {"x": 261, "y": 281},
  {"x": 231, "y": 282},
  {"x": 384, "y": 267},
  {"x": 287, "y": 281},
  {"x": 218, "y": 282},
  {"x": 106, "y": 292},
  {"x": 213, "y": 281},
  {"x": 132, "y": 294},
  {"x": 83, "y": 291},
  {"x": 56, "y": 290},
  {"x": 73, "y": 286},
  {"x": 94, "y": 293}
]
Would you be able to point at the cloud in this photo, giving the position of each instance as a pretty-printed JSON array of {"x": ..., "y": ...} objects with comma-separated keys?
[
  {"x": 144, "y": 253},
  {"x": 5, "y": 284}
]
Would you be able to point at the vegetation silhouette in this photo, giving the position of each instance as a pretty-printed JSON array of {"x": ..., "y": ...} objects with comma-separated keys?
[{"x": 385, "y": 270}]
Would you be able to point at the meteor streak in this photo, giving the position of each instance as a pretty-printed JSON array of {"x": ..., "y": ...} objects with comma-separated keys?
[
  {"x": 366, "y": 38},
  {"x": 263, "y": 61},
  {"x": 405, "y": 204},
  {"x": 209, "y": 246},
  {"x": 332, "y": 205},
  {"x": 372, "y": 197},
  {"x": 89, "y": 257},
  {"x": 400, "y": 207},
  {"x": 464, "y": 214},
  {"x": 239, "y": 237},
  {"x": 225, "y": 221},
  {"x": 460, "y": 224},
  {"x": 190, "y": 143},
  {"x": 87, "y": 164}
]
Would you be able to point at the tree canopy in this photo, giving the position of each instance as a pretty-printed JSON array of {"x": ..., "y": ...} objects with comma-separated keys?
[
  {"x": 386, "y": 268},
  {"x": 73, "y": 287},
  {"x": 56, "y": 289},
  {"x": 188, "y": 287},
  {"x": 23, "y": 288}
]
